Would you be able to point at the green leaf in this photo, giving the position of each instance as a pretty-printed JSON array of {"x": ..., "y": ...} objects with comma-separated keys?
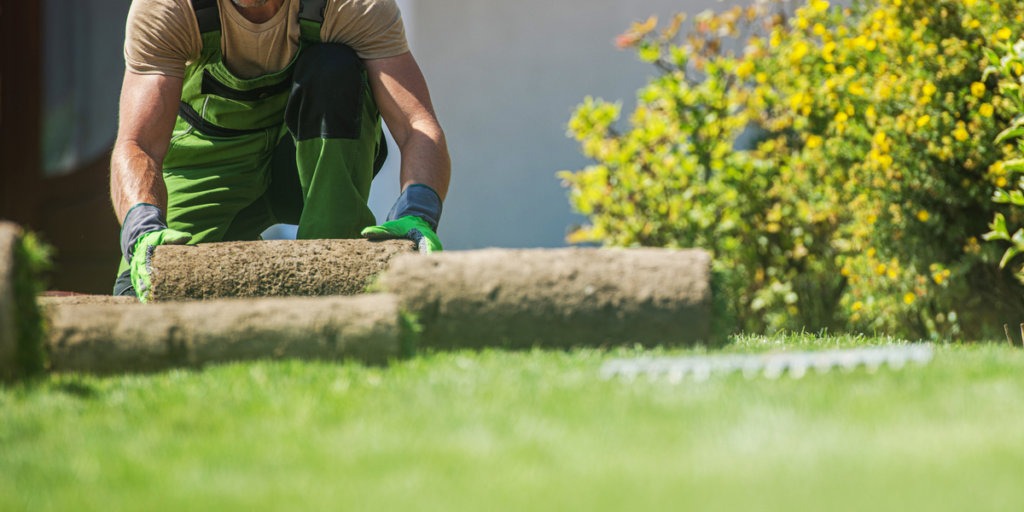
[
  {"x": 998, "y": 227},
  {"x": 1014, "y": 131},
  {"x": 1014, "y": 164},
  {"x": 1008, "y": 255},
  {"x": 649, "y": 53}
]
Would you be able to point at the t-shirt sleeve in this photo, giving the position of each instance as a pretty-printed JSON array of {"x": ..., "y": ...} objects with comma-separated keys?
[
  {"x": 373, "y": 28},
  {"x": 161, "y": 37}
]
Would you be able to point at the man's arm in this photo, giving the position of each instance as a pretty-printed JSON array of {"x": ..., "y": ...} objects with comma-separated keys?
[
  {"x": 404, "y": 102},
  {"x": 149, "y": 106}
]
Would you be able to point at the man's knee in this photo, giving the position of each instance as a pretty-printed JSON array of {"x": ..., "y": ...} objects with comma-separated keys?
[{"x": 328, "y": 93}]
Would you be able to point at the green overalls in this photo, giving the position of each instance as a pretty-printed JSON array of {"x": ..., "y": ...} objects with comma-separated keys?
[{"x": 300, "y": 146}]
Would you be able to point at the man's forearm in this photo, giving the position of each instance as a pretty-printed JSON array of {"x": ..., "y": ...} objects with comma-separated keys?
[
  {"x": 135, "y": 177},
  {"x": 425, "y": 160}
]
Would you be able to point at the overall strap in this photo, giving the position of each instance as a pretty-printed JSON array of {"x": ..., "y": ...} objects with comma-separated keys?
[
  {"x": 207, "y": 15},
  {"x": 311, "y": 17},
  {"x": 312, "y": 10}
]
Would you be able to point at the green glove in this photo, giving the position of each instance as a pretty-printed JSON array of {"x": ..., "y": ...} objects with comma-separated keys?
[
  {"x": 411, "y": 227},
  {"x": 142, "y": 256}
]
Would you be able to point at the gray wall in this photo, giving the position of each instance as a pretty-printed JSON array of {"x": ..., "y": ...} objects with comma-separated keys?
[{"x": 505, "y": 78}]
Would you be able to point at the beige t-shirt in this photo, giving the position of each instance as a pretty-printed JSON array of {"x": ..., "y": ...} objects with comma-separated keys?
[{"x": 162, "y": 36}]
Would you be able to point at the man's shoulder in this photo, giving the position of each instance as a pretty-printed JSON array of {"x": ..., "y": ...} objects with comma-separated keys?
[
  {"x": 164, "y": 7},
  {"x": 171, "y": 13},
  {"x": 161, "y": 36},
  {"x": 357, "y": 8}
]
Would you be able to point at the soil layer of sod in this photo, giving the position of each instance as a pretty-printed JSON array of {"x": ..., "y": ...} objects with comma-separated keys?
[
  {"x": 116, "y": 338},
  {"x": 556, "y": 297},
  {"x": 272, "y": 268}
]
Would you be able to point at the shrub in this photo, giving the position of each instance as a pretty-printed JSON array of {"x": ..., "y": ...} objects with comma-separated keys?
[
  {"x": 1009, "y": 68},
  {"x": 837, "y": 161}
]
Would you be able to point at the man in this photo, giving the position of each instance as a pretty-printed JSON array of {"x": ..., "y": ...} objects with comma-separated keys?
[{"x": 239, "y": 114}]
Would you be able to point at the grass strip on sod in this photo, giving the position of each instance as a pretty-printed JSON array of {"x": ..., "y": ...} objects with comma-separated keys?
[{"x": 532, "y": 430}]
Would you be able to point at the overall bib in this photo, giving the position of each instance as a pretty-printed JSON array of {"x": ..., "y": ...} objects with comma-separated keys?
[{"x": 299, "y": 146}]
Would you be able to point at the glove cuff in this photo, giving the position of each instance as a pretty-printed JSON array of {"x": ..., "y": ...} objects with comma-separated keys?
[
  {"x": 141, "y": 219},
  {"x": 418, "y": 200}
]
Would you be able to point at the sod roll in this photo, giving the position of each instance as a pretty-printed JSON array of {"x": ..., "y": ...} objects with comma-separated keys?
[
  {"x": 272, "y": 268},
  {"x": 119, "y": 338},
  {"x": 10, "y": 236},
  {"x": 556, "y": 297}
]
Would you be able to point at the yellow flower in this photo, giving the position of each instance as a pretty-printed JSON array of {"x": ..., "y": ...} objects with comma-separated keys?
[
  {"x": 880, "y": 269},
  {"x": 800, "y": 50},
  {"x": 857, "y": 306},
  {"x": 909, "y": 298},
  {"x": 1001, "y": 182},
  {"x": 828, "y": 50},
  {"x": 814, "y": 141},
  {"x": 745, "y": 69},
  {"x": 923, "y": 121},
  {"x": 870, "y": 113},
  {"x": 960, "y": 133},
  {"x": 841, "y": 118},
  {"x": 884, "y": 90},
  {"x": 978, "y": 89},
  {"x": 986, "y": 110},
  {"x": 923, "y": 215},
  {"x": 1003, "y": 34},
  {"x": 819, "y": 6},
  {"x": 929, "y": 89}
]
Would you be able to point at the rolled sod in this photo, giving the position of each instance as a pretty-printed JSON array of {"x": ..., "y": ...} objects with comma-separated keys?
[
  {"x": 272, "y": 268},
  {"x": 10, "y": 235},
  {"x": 21, "y": 323},
  {"x": 556, "y": 297},
  {"x": 120, "y": 338}
]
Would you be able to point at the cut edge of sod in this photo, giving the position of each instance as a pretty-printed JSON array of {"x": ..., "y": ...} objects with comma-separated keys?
[{"x": 28, "y": 259}]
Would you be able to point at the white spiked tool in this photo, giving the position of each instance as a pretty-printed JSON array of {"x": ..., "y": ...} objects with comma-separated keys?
[{"x": 770, "y": 365}]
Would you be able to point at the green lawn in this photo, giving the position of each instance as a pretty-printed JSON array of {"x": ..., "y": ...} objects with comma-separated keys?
[{"x": 522, "y": 431}]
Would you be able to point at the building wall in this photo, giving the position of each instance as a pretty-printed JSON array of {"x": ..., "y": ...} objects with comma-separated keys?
[{"x": 505, "y": 78}]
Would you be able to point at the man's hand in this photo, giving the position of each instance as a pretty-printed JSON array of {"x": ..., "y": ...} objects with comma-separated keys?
[
  {"x": 142, "y": 257},
  {"x": 411, "y": 227},
  {"x": 414, "y": 216},
  {"x": 143, "y": 229}
]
